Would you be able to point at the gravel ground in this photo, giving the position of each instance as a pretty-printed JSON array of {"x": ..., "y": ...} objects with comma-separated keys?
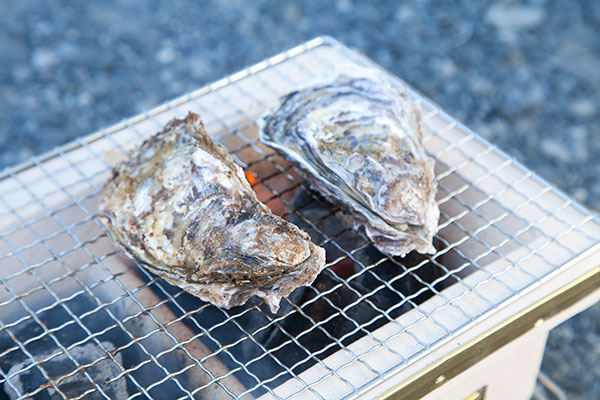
[{"x": 524, "y": 75}]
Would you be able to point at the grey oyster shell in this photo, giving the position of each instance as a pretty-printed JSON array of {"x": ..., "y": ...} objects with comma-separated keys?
[
  {"x": 180, "y": 206},
  {"x": 358, "y": 140}
]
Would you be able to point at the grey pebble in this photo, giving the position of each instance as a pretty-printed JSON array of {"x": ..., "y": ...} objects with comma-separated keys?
[
  {"x": 43, "y": 58},
  {"x": 515, "y": 16}
]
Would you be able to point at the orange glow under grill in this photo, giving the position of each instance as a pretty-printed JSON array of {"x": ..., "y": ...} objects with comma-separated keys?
[{"x": 250, "y": 177}]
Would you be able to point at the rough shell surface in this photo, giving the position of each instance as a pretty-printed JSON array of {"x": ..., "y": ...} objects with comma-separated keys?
[
  {"x": 180, "y": 206},
  {"x": 358, "y": 139}
]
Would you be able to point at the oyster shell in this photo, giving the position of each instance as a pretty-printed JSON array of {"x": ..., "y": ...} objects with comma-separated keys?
[
  {"x": 358, "y": 139},
  {"x": 180, "y": 206}
]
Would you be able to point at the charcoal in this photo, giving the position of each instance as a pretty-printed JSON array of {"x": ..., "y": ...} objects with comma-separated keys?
[{"x": 74, "y": 385}]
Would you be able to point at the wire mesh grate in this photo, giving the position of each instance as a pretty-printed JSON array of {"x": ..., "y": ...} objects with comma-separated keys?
[{"x": 81, "y": 321}]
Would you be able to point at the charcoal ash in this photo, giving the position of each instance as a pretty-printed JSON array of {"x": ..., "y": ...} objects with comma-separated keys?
[
  {"x": 84, "y": 350},
  {"x": 42, "y": 345},
  {"x": 28, "y": 380}
]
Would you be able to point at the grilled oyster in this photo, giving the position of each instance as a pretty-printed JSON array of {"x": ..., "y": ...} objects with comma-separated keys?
[
  {"x": 357, "y": 137},
  {"x": 180, "y": 206}
]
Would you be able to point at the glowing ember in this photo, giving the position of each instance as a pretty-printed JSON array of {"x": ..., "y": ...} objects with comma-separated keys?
[
  {"x": 264, "y": 194},
  {"x": 250, "y": 177},
  {"x": 344, "y": 268}
]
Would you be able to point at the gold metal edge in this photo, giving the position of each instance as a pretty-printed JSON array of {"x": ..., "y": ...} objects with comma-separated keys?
[{"x": 459, "y": 360}]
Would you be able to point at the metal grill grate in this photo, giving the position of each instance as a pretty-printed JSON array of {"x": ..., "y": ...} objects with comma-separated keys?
[{"x": 78, "y": 320}]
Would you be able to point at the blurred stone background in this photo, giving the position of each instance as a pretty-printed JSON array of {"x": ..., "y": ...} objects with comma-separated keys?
[{"x": 525, "y": 75}]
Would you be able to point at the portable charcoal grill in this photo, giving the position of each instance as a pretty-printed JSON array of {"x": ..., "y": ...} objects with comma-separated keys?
[{"x": 78, "y": 320}]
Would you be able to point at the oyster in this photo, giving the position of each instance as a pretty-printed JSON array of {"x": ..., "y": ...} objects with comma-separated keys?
[
  {"x": 357, "y": 138},
  {"x": 180, "y": 206}
]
